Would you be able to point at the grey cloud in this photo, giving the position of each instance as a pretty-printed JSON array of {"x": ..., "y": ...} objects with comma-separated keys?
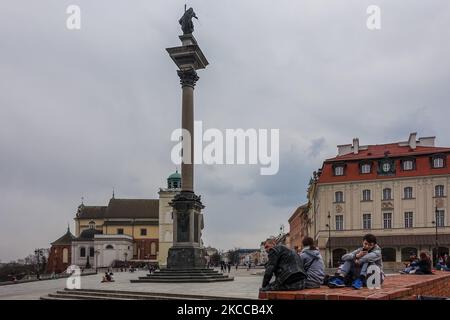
[{"x": 82, "y": 112}]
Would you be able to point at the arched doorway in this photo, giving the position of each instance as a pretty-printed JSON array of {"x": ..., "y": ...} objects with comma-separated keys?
[
  {"x": 441, "y": 252},
  {"x": 388, "y": 254},
  {"x": 407, "y": 252},
  {"x": 337, "y": 255}
]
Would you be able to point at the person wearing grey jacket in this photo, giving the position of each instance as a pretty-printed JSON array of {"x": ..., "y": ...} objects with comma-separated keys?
[
  {"x": 356, "y": 263},
  {"x": 312, "y": 264}
]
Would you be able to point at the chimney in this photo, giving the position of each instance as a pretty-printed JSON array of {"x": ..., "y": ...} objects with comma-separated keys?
[
  {"x": 355, "y": 145},
  {"x": 412, "y": 140}
]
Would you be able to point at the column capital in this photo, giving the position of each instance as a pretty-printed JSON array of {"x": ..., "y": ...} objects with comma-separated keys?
[{"x": 188, "y": 77}]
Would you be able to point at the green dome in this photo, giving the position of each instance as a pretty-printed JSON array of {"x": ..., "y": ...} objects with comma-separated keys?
[
  {"x": 174, "y": 180},
  {"x": 175, "y": 175}
]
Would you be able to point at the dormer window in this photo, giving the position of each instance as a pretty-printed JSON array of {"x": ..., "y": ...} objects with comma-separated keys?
[
  {"x": 338, "y": 169},
  {"x": 438, "y": 161},
  {"x": 365, "y": 168},
  {"x": 408, "y": 165}
]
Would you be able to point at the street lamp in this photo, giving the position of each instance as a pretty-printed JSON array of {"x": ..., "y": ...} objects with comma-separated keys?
[
  {"x": 435, "y": 222},
  {"x": 38, "y": 253},
  {"x": 96, "y": 260},
  {"x": 328, "y": 225}
]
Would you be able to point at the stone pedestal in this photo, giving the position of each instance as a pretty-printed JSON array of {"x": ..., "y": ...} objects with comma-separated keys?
[{"x": 187, "y": 251}]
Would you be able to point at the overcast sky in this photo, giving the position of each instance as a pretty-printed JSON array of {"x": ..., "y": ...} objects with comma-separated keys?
[{"x": 84, "y": 111}]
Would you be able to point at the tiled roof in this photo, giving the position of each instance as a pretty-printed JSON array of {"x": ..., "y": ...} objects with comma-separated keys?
[
  {"x": 66, "y": 239},
  {"x": 393, "y": 150},
  {"x": 375, "y": 153},
  {"x": 122, "y": 208},
  {"x": 91, "y": 212},
  {"x": 133, "y": 208},
  {"x": 88, "y": 234}
]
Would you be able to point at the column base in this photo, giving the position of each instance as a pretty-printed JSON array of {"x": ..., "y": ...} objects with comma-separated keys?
[{"x": 186, "y": 258}]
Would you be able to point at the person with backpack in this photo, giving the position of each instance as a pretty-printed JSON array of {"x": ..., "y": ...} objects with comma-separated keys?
[{"x": 312, "y": 264}]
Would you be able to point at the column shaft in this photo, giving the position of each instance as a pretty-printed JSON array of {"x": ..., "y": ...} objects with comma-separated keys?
[{"x": 187, "y": 123}]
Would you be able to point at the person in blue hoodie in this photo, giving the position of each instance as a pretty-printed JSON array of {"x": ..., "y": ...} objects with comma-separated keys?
[{"x": 312, "y": 263}]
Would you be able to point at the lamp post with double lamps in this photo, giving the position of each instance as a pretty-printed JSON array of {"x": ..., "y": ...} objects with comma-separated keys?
[
  {"x": 436, "y": 224},
  {"x": 328, "y": 225}
]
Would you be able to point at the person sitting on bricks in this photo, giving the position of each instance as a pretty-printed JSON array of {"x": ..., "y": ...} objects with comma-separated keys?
[
  {"x": 356, "y": 264},
  {"x": 287, "y": 267}
]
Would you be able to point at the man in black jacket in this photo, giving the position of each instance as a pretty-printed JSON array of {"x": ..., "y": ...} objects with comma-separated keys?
[{"x": 287, "y": 267}]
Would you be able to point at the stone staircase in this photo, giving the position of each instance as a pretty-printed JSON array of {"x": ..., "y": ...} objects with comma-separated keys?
[
  {"x": 93, "y": 294},
  {"x": 184, "y": 275}
]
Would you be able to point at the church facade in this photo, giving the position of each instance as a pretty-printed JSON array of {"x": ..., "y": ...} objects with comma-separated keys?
[{"x": 124, "y": 230}]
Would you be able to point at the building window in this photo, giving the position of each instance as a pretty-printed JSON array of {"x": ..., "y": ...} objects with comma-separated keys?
[
  {"x": 109, "y": 247},
  {"x": 439, "y": 191},
  {"x": 387, "y": 220},
  {"x": 367, "y": 221},
  {"x": 120, "y": 231},
  {"x": 143, "y": 232},
  {"x": 438, "y": 162},
  {"x": 408, "y": 165},
  {"x": 365, "y": 168},
  {"x": 408, "y": 219},
  {"x": 82, "y": 252},
  {"x": 91, "y": 225},
  {"x": 366, "y": 195},
  {"x": 339, "y": 171},
  {"x": 440, "y": 218},
  {"x": 91, "y": 251},
  {"x": 387, "y": 194},
  {"x": 65, "y": 258},
  {"x": 339, "y": 196},
  {"x": 339, "y": 222},
  {"x": 153, "y": 248},
  {"x": 408, "y": 193}
]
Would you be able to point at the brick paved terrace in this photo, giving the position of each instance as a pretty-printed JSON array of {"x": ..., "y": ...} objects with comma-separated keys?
[{"x": 395, "y": 287}]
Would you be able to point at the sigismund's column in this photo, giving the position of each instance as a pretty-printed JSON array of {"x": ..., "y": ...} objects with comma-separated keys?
[{"x": 187, "y": 251}]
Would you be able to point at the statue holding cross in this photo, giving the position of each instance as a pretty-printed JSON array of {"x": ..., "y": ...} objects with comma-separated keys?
[{"x": 186, "y": 21}]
